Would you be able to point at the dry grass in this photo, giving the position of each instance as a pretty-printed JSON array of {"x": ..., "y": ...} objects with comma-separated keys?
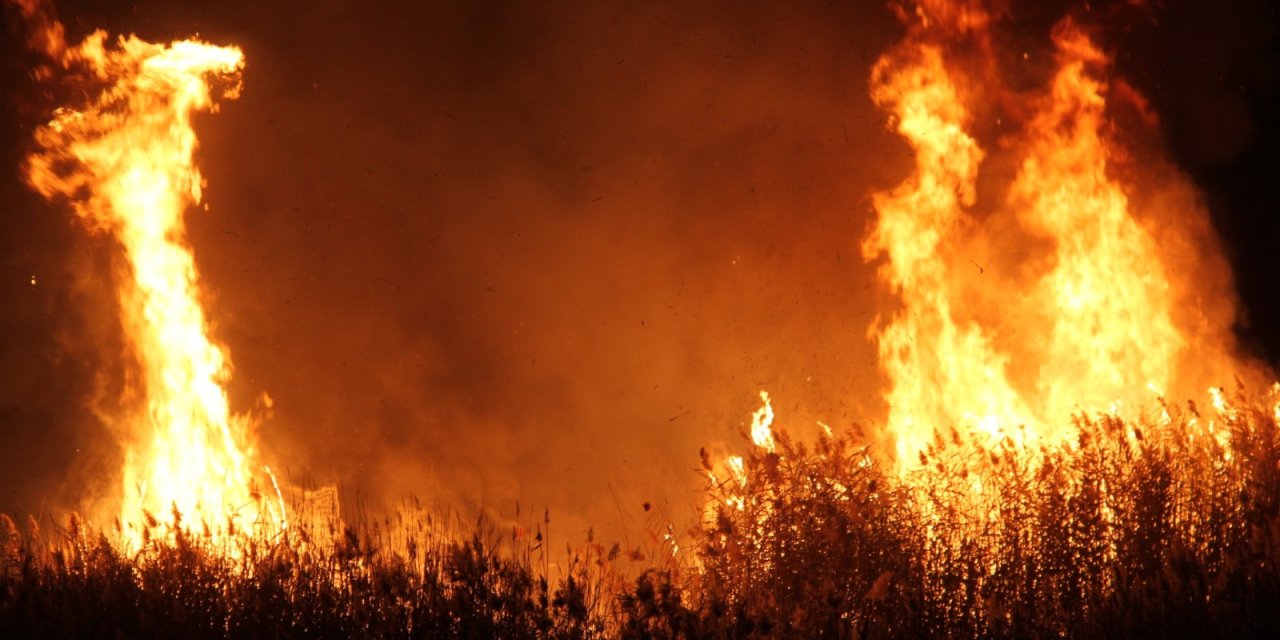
[
  {"x": 1159, "y": 528},
  {"x": 1156, "y": 528}
]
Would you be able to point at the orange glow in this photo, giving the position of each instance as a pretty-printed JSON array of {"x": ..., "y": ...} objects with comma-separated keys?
[{"x": 125, "y": 162}]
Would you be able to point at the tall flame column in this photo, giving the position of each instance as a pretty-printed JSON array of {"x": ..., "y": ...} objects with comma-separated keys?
[{"x": 125, "y": 162}]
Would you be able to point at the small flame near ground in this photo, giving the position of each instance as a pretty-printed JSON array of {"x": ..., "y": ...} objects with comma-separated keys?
[{"x": 124, "y": 161}]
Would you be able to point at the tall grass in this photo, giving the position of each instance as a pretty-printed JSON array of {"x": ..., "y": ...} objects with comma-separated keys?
[
  {"x": 436, "y": 584},
  {"x": 1167, "y": 527},
  {"x": 1163, "y": 527}
]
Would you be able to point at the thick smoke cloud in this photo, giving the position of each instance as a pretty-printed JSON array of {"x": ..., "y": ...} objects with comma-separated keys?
[{"x": 484, "y": 252}]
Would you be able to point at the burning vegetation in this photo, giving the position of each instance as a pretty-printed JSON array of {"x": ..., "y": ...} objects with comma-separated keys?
[
  {"x": 1145, "y": 529},
  {"x": 125, "y": 163},
  {"x": 1050, "y": 295}
]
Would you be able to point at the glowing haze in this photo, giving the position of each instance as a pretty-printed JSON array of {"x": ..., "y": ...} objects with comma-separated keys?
[
  {"x": 545, "y": 251},
  {"x": 124, "y": 160}
]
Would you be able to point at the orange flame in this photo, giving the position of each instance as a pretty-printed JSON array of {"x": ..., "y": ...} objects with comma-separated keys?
[
  {"x": 761, "y": 423},
  {"x": 125, "y": 162},
  {"x": 932, "y": 358},
  {"x": 1077, "y": 308}
]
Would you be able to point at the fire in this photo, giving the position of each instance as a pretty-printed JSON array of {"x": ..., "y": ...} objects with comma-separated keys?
[
  {"x": 761, "y": 421},
  {"x": 125, "y": 163},
  {"x": 1019, "y": 312},
  {"x": 933, "y": 359}
]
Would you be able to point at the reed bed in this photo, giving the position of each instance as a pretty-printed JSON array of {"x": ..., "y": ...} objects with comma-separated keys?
[{"x": 1160, "y": 527}]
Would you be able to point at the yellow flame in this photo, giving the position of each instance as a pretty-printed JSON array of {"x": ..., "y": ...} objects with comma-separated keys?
[
  {"x": 941, "y": 368},
  {"x": 1275, "y": 408},
  {"x": 1219, "y": 400},
  {"x": 826, "y": 429},
  {"x": 737, "y": 469},
  {"x": 1107, "y": 291},
  {"x": 125, "y": 162},
  {"x": 1076, "y": 311},
  {"x": 761, "y": 421}
]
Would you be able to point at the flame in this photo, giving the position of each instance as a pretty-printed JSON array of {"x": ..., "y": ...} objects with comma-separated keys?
[
  {"x": 933, "y": 359},
  {"x": 1108, "y": 292},
  {"x": 1078, "y": 308},
  {"x": 761, "y": 421},
  {"x": 125, "y": 162},
  {"x": 1275, "y": 407}
]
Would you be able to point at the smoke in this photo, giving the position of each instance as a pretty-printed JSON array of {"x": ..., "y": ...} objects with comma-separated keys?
[
  {"x": 566, "y": 251},
  {"x": 488, "y": 252},
  {"x": 496, "y": 253}
]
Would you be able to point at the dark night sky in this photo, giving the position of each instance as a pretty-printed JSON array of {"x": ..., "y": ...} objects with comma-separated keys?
[{"x": 484, "y": 251}]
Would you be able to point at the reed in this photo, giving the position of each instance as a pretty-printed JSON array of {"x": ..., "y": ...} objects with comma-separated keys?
[{"x": 1162, "y": 527}]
